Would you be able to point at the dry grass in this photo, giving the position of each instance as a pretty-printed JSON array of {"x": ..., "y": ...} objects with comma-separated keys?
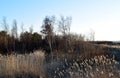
[
  {"x": 13, "y": 64},
  {"x": 97, "y": 67},
  {"x": 64, "y": 66}
]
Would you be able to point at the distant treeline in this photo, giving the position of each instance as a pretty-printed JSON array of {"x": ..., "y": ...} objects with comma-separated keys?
[
  {"x": 48, "y": 39},
  {"x": 106, "y": 42}
]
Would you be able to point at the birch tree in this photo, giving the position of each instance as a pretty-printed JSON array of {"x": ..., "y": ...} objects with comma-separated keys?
[{"x": 47, "y": 31}]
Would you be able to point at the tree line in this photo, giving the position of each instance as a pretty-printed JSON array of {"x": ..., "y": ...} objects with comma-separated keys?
[{"x": 48, "y": 40}]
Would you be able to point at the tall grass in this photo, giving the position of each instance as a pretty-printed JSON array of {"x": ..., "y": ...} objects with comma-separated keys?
[
  {"x": 96, "y": 67},
  {"x": 17, "y": 65},
  {"x": 34, "y": 65}
]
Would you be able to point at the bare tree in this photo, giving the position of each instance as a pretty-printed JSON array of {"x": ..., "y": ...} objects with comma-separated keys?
[
  {"x": 31, "y": 29},
  {"x": 14, "y": 33},
  {"x": 6, "y": 29},
  {"x": 14, "y": 29},
  {"x": 64, "y": 27},
  {"x": 22, "y": 37},
  {"x": 91, "y": 35},
  {"x": 22, "y": 28},
  {"x": 77, "y": 37},
  {"x": 5, "y": 25},
  {"x": 47, "y": 31}
]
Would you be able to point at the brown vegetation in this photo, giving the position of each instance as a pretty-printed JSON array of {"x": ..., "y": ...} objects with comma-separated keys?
[
  {"x": 64, "y": 52},
  {"x": 15, "y": 66}
]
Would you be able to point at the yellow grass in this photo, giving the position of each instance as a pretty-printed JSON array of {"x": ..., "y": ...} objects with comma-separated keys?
[{"x": 28, "y": 63}]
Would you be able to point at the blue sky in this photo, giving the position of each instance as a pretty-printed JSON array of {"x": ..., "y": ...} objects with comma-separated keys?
[{"x": 102, "y": 16}]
